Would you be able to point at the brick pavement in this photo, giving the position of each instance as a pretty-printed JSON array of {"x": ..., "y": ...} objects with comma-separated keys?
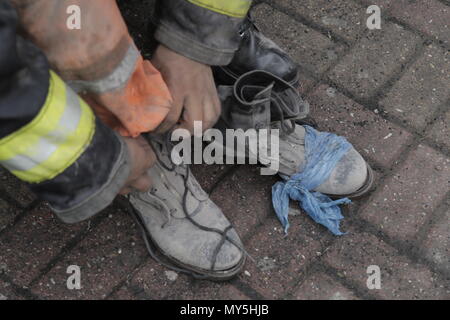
[{"x": 387, "y": 90}]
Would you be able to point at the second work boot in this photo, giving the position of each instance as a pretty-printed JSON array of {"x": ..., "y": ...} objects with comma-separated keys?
[
  {"x": 315, "y": 166},
  {"x": 260, "y": 95},
  {"x": 181, "y": 222}
]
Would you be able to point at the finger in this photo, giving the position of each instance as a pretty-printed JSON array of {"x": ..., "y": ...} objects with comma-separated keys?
[
  {"x": 209, "y": 113},
  {"x": 141, "y": 157},
  {"x": 143, "y": 183},
  {"x": 214, "y": 93},
  {"x": 148, "y": 155},
  {"x": 216, "y": 106},
  {"x": 174, "y": 113},
  {"x": 142, "y": 142},
  {"x": 151, "y": 158},
  {"x": 193, "y": 111}
]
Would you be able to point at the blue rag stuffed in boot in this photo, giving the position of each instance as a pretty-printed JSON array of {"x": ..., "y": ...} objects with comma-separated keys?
[{"x": 323, "y": 151}]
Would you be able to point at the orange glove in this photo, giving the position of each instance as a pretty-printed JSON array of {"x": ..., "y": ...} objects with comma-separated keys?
[{"x": 138, "y": 107}]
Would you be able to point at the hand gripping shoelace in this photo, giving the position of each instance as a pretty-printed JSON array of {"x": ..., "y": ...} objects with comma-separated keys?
[{"x": 323, "y": 152}]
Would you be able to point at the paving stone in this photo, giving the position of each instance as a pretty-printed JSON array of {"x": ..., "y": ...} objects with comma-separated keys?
[
  {"x": 431, "y": 17},
  {"x": 437, "y": 243},
  {"x": 409, "y": 197},
  {"x": 122, "y": 294},
  {"x": 319, "y": 286},
  {"x": 373, "y": 136},
  {"x": 440, "y": 132},
  {"x": 345, "y": 18},
  {"x": 383, "y": 4},
  {"x": 279, "y": 261},
  {"x": 209, "y": 175},
  {"x": 106, "y": 257},
  {"x": 421, "y": 90},
  {"x": 16, "y": 189},
  {"x": 33, "y": 242},
  {"x": 309, "y": 48},
  {"x": 374, "y": 59},
  {"x": 7, "y": 293},
  {"x": 401, "y": 278},
  {"x": 306, "y": 83},
  {"x": 151, "y": 282},
  {"x": 7, "y": 214},
  {"x": 245, "y": 198}
]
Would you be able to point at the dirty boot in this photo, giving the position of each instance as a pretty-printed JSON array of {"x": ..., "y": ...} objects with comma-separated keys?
[
  {"x": 183, "y": 224},
  {"x": 261, "y": 100},
  {"x": 315, "y": 166}
]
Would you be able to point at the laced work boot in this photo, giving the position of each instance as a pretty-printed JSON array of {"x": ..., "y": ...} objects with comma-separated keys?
[
  {"x": 257, "y": 52},
  {"x": 180, "y": 222},
  {"x": 259, "y": 100}
]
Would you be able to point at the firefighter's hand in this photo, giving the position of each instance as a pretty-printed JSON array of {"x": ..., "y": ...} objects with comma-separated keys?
[
  {"x": 192, "y": 87},
  {"x": 142, "y": 158}
]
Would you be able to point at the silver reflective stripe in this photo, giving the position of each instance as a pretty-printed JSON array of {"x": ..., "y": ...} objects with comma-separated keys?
[
  {"x": 49, "y": 143},
  {"x": 116, "y": 79}
]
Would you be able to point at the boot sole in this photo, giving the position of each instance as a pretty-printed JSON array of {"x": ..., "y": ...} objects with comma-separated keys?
[{"x": 175, "y": 264}]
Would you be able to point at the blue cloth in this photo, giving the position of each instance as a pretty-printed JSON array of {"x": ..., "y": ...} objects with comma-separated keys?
[{"x": 323, "y": 151}]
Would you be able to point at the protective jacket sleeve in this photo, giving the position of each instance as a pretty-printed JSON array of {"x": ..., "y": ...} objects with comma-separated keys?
[
  {"x": 203, "y": 30},
  {"x": 49, "y": 137}
]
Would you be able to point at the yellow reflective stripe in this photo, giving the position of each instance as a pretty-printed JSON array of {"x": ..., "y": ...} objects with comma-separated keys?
[
  {"x": 232, "y": 8},
  {"x": 53, "y": 140}
]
